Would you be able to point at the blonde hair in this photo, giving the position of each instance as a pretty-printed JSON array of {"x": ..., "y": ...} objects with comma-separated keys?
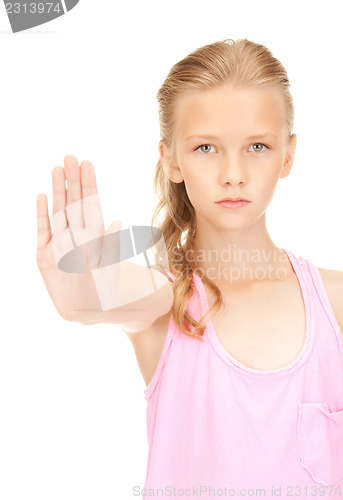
[{"x": 241, "y": 63}]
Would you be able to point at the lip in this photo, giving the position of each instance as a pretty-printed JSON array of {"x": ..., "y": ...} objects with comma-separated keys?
[
  {"x": 235, "y": 203},
  {"x": 232, "y": 199}
]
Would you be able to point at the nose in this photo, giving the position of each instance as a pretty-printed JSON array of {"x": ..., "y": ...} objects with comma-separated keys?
[{"x": 232, "y": 171}]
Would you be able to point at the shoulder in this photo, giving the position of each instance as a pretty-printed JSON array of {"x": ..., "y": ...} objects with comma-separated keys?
[
  {"x": 333, "y": 279},
  {"x": 333, "y": 282}
]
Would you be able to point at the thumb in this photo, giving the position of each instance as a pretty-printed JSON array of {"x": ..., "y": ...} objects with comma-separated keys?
[{"x": 115, "y": 226}]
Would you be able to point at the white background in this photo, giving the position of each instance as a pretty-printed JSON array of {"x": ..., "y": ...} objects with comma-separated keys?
[{"x": 72, "y": 409}]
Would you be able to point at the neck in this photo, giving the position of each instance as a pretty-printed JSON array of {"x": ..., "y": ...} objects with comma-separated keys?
[{"x": 238, "y": 256}]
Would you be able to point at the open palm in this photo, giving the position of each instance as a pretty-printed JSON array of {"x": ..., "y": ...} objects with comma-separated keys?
[{"x": 77, "y": 218}]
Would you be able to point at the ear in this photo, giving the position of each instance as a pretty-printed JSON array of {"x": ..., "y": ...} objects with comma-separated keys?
[
  {"x": 289, "y": 157},
  {"x": 168, "y": 164}
]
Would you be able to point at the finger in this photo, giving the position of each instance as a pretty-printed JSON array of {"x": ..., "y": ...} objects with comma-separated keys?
[
  {"x": 115, "y": 226},
  {"x": 91, "y": 208},
  {"x": 88, "y": 179},
  {"x": 59, "y": 219},
  {"x": 43, "y": 222},
  {"x": 74, "y": 203}
]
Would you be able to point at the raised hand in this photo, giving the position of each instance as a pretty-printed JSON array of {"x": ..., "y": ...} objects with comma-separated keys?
[
  {"x": 77, "y": 218},
  {"x": 75, "y": 259}
]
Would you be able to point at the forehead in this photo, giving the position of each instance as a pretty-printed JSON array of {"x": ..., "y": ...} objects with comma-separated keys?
[{"x": 225, "y": 110}]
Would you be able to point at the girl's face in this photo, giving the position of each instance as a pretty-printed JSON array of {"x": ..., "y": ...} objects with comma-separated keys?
[{"x": 230, "y": 143}]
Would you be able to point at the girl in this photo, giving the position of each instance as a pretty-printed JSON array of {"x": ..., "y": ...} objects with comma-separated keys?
[{"x": 244, "y": 372}]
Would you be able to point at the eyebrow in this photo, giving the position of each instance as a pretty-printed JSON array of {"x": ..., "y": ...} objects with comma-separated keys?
[{"x": 251, "y": 137}]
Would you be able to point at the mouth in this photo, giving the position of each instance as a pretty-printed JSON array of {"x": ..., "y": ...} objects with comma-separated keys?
[
  {"x": 232, "y": 199},
  {"x": 233, "y": 202}
]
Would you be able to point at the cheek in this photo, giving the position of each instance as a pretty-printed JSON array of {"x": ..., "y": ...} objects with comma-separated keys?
[
  {"x": 196, "y": 182},
  {"x": 265, "y": 183},
  {"x": 195, "y": 188}
]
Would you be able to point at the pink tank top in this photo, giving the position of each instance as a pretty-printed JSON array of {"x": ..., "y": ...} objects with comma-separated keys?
[{"x": 218, "y": 429}]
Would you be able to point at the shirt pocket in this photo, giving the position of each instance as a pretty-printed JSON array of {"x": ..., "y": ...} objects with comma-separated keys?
[{"x": 320, "y": 442}]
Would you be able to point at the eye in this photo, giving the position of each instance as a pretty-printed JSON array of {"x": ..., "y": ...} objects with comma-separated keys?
[
  {"x": 260, "y": 144},
  {"x": 203, "y": 146}
]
